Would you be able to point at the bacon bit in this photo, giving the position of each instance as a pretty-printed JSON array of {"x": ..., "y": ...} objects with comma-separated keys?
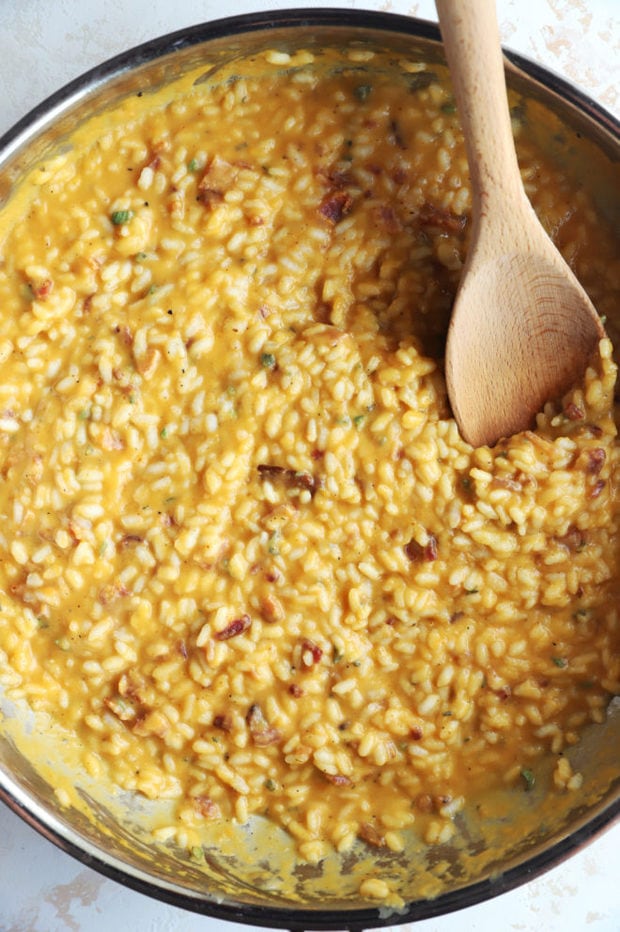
[
  {"x": 112, "y": 440},
  {"x": 427, "y": 803},
  {"x": 338, "y": 779},
  {"x": 422, "y": 554},
  {"x": 151, "y": 723},
  {"x": 295, "y": 690},
  {"x": 223, "y": 722},
  {"x": 112, "y": 592},
  {"x": 147, "y": 364},
  {"x": 424, "y": 802},
  {"x": 132, "y": 685},
  {"x": 129, "y": 540},
  {"x": 205, "y": 807},
  {"x": 238, "y": 626},
  {"x": 119, "y": 707},
  {"x": 371, "y": 835},
  {"x": 573, "y": 412},
  {"x": 75, "y": 531},
  {"x": 391, "y": 621},
  {"x": 597, "y": 488},
  {"x": 318, "y": 454},
  {"x": 456, "y": 616},
  {"x": 335, "y": 177},
  {"x": 293, "y": 478},
  {"x": 311, "y": 653},
  {"x": 272, "y": 576},
  {"x": 396, "y": 136},
  {"x": 125, "y": 334},
  {"x": 386, "y": 217},
  {"x": 336, "y": 205},
  {"x": 504, "y": 692},
  {"x": 218, "y": 178},
  {"x": 42, "y": 289},
  {"x": 574, "y": 539},
  {"x": 595, "y": 461},
  {"x": 438, "y": 218},
  {"x": 261, "y": 731},
  {"x": 20, "y": 589},
  {"x": 271, "y": 609},
  {"x": 416, "y": 733}
]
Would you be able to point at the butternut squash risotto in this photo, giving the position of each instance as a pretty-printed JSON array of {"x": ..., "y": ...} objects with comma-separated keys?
[{"x": 246, "y": 559}]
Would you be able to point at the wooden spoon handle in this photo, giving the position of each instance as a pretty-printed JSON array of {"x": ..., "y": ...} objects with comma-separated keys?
[{"x": 472, "y": 43}]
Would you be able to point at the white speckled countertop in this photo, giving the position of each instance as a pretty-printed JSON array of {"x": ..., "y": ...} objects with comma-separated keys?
[{"x": 42, "y": 46}]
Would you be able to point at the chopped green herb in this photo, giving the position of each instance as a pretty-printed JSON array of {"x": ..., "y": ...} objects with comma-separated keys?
[
  {"x": 271, "y": 785},
  {"x": 163, "y": 433},
  {"x": 466, "y": 483},
  {"x": 446, "y": 713},
  {"x": 141, "y": 256},
  {"x": 581, "y": 614},
  {"x": 417, "y": 82},
  {"x": 84, "y": 414},
  {"x": 359, "y": 419},
  {"x": 103, "y": 547},
  {"x": 197, "y": 854},
  {"x": 560, "y": 661},
  {"x": 528, "y": 778},
  {"x": 119, "y": 217},
  {"x": 193, "y": 165},
  {"x": 338, "y": 655},
  {"x": 268, "y": 361},
  {"x": 272, "y": 546},
  {"x": 152, "y": 289},
  {"x": 503, "y": 454},
  {"x": 362, "y": 91},
  {"x": 403, "y": 746},
  {"x": 63, "y": 643},
  {"x": 42, "y": 623},
  {"x": 471, "y": 591},
  {"x": 448, "y": 107}
]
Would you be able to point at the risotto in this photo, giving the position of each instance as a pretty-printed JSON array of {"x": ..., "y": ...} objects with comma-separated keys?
[{"x": 248, "y": 563}]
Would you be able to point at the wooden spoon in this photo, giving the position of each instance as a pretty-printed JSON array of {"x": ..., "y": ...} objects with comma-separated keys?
[{"x": 523, "y": 329}]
